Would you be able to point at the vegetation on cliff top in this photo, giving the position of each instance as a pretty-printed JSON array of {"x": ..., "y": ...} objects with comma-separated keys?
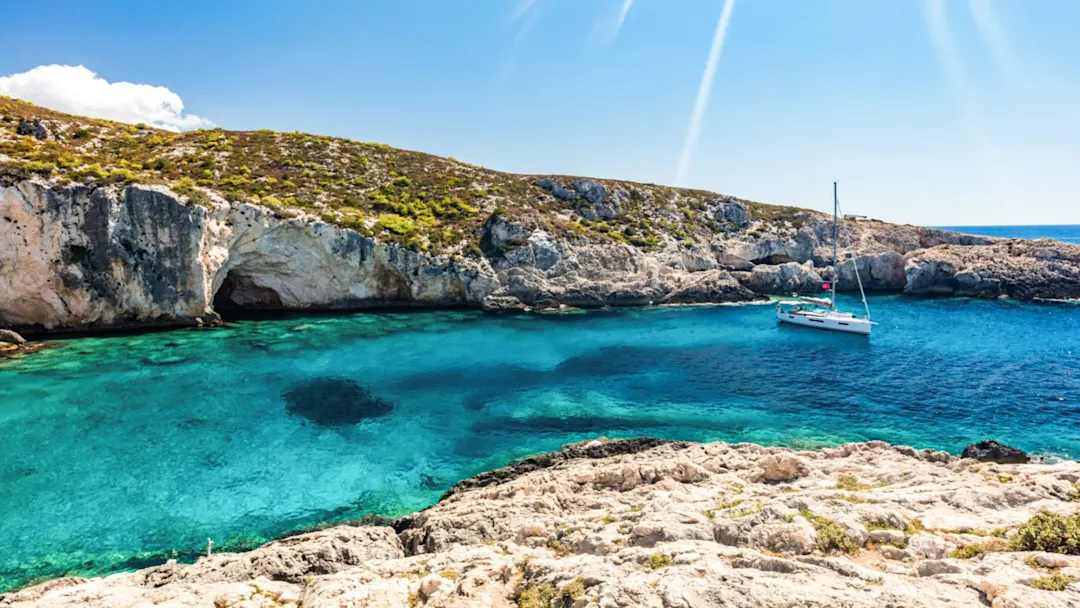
[{"x": 426, "y": 202}]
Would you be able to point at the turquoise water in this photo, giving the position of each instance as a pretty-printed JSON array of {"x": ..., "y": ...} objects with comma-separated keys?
[
  {"x": 118, "y": 451},
  {"x": 1068, "y": 233}
]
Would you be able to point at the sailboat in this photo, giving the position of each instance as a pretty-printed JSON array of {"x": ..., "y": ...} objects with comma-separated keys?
[{"x": 821, "y": 313}]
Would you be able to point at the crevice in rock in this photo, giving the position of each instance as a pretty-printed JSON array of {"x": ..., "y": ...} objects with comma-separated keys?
[{"x": 773, "y": 260}]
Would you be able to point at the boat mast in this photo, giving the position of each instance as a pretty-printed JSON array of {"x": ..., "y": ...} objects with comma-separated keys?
[{"x": 835, "y": 235}]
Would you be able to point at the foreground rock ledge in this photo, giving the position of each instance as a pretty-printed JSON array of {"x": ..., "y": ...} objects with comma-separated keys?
[{"x": 659, "y": 524}]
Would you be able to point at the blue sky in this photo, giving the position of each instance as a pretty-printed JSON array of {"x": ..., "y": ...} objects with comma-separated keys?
[{"x": 923, "y": 115}]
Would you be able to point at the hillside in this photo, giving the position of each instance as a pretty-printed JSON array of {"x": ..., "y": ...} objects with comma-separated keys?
[
  {"x": 111, "y": 225},
  {"x": 424, "y": 202}
]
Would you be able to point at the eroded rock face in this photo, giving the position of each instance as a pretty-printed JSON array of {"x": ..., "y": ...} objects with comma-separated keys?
[
  {"x": 649, "y": 523},
  {"x": 95, "y": 258},
  {"x": 76, "y": 257}
]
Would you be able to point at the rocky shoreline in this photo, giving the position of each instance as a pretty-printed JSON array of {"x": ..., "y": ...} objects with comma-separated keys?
[
  {"x": 83, "y": 258},
  {"x": 670, "y": 524}
]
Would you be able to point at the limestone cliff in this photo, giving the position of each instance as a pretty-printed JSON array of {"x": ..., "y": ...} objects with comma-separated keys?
[
  {"x": 668, "y": 525},
  {"x": 109, "y": 225}
]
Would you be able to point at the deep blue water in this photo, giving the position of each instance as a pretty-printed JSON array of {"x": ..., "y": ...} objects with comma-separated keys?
[
  {"x": 1061, "y": 232},
  {"x": 117, "y": 450}
]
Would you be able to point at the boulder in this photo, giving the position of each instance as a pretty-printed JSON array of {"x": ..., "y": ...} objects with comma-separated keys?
[
  {"x": 594, "y": 192},
  {"x": 928, "y": 546},
  {"x": 729, "y": 209},
  {"x": 796, "y": 538},
  {"x": 781, "y": 468},
  {"x": 504, "y": 303},
  {"x": 992, "y": 451},
  {"x": 556, "y": 189},
  {"x": 888, "y": 536},
  {"x": 784, "y": 278},
  {"x": 6, "y": 335}
]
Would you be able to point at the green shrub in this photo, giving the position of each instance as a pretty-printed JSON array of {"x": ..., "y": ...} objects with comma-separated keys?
[
  {"x": 659, "y": 560},
  {"x": 397, "y": 224},
  {"x": 185, "y": 185},
  {"x": 39, "y": 167},
  {"x": 850, "y": 483},
  {"x": 536, "y": 596},
  {"x": 831, "y": 536},
  {"x": 970, "y": 551},
  {"x": 914, "y": 527},
  {"x": 1054, "y": 582},
  {"x": 1049, "y": 532}
]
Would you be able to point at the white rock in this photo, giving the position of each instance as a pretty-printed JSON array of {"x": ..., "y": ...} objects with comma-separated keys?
[{"x": 927, "y": 545}]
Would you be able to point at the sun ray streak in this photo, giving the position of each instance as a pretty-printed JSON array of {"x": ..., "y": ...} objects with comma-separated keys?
[
  {"x": 704, "y": 89},
  {"x": 993, "y": 35},
  {"x": 937, "y": 24},
  {"x": 622, "y": 15}
]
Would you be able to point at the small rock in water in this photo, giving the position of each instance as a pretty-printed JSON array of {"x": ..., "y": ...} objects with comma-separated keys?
[
  {"x": 334, "y": 402},
  {"x": 6, "y": 335},
  {"x": 992, "y": 451}
]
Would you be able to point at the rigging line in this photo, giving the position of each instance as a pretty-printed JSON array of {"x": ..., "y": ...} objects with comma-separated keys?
[{"x": 855, "y": 263}]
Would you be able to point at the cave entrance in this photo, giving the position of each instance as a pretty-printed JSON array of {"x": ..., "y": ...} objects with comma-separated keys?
[{"x": 239, "y": 297}]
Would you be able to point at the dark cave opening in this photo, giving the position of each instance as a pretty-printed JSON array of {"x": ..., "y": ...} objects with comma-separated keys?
[{"x": 239, "y": 297}]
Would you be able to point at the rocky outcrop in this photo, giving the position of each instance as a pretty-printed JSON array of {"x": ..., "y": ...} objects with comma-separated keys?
[
  {"x": 992, "y": 451},
  {"x": 81, "y": 257},
  {"x": 1022, "y": 269},
  {"x": 87, "y": 258},
  {"x": 648, "y": 523}
]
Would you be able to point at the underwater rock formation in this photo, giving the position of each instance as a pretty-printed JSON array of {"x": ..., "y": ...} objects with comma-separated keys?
[{"x": 334, "y": 402}]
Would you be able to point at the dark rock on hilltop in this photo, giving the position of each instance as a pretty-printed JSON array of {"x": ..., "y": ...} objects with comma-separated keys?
[
  {"x": 34, "y": 128},
  {"x": 992, "y": 451}
]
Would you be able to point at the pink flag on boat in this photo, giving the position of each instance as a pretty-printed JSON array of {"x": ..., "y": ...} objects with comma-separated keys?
[{"x": 825, "y": 286}]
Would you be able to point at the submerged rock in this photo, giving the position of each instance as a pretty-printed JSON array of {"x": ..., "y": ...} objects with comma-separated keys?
[
  {"x": 992, "y": 451},
  {"x": 334, "y": 402}
]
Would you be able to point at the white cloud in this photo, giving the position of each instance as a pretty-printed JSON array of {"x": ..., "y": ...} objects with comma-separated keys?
[{"x": 77, "y": 90}]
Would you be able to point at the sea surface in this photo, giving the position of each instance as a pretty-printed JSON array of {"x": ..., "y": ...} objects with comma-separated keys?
[
  {"x": 1061, "y": 232},
  {"x": 123, "y": 451}
]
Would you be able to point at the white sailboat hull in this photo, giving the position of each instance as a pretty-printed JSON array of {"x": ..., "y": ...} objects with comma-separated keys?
[{"x": 827, "y": 320}]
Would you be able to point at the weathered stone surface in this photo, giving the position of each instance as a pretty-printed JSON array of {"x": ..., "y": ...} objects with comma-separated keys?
[
  {"x": 992, "y": 451},
  {"x": 790, "y": 277},
  {"x": 6, "y": 335},
  {"x": 782, "y": 468},
  {"x": 646, "y": 523}
]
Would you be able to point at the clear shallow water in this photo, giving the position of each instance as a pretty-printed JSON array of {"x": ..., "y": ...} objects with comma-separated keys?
[
  {"x": 118, "y": 450},
  {"x": 1062, "y": 232}
]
